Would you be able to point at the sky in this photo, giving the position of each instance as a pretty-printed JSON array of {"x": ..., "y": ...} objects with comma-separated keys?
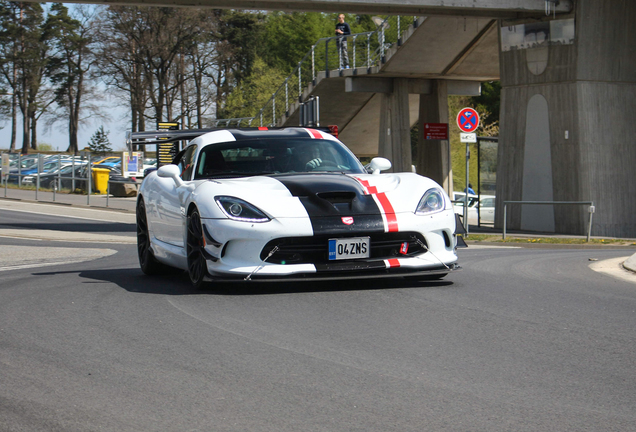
[{"x": 57, "y": 135}]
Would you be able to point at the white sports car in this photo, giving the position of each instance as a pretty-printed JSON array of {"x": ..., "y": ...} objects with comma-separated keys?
[{"x": 289, "y": 204}]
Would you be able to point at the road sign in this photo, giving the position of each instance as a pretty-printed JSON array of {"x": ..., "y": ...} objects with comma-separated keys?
[
  {"x": 468, "y": 120},
  {"x": 468, "y": 137},
  {"x": 436, "y": 131}
]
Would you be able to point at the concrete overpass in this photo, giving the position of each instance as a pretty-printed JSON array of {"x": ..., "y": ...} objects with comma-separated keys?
[{"x": 375, "y": 108}]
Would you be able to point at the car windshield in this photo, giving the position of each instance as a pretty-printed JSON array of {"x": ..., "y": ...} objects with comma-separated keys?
[{"x": 275, "y": 156}]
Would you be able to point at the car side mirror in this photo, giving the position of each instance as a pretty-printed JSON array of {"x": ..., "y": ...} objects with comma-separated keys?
[
  {"x": 378, "y": 164},
  {"x": 171, "y": 171}
]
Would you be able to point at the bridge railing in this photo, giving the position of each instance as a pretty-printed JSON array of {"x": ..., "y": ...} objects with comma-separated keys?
[{"x": 365, "y": 50}]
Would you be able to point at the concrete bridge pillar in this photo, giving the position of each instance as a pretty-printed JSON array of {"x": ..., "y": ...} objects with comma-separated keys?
[
  {"x": 394, "y": 142},
  {"x": 568, "y": 104},
  {"x": 433, "y": 156},
  {"x": 395, "y": 126}
]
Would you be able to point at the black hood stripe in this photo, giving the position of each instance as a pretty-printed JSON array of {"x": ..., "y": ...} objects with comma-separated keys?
[{"x": 328, "y": 198}]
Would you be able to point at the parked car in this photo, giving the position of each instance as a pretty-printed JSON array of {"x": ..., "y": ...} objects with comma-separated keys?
[
  {"x": 109, "y": 161},
  {"x": 61, "y": 178},
  {"x": 487, "y": 209},
  {"x": 481, "y": 209},
  {"x": 290, "y": 204},
  {"x": 459, "y": 198},
  {"x": 47, "y": 166},
  {"x": 47, "y": 177}
]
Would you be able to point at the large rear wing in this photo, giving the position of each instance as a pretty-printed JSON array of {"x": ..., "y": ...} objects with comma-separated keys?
[{"x": 167, "y": 141}]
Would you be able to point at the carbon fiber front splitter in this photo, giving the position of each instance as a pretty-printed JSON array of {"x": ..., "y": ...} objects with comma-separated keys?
[{"x": 340, "y": 275}]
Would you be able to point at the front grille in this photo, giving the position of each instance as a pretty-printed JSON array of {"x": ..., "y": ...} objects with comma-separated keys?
[{"x": 314, "y": 250}]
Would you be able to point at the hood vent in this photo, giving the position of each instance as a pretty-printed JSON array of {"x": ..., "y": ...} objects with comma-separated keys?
[
  {"x": 337, "y": 197},
  {"x": 341, "y": 201}
]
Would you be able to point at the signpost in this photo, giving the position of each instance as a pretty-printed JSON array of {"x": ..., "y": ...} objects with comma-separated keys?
[{"x": 468, "y": 122}]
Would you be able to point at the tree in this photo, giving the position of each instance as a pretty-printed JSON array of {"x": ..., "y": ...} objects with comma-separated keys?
[
  {"x": 254, "y": 91},
  {"x": 239, "y": 38},
  {"x": 487, "y": 104},
  {"x": 290, "y": 35},
  {"x": 201, "y": 56},
  {"x": 121, "y": 59},
  {"x": 24, "y": 59},
  {"x": 70, "y": 62},
  {"x": 166, "y": 34},
  {"x": 99, "y": 142},
  {"x": 149, "y": 54}
]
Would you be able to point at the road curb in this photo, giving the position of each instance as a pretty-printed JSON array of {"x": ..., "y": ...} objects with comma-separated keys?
[{"x": 630, "y": 263}]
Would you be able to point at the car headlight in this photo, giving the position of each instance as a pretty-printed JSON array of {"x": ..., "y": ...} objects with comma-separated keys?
[
  {"x": 431, "y": 202},
  {"x": 240, "y": 210}
]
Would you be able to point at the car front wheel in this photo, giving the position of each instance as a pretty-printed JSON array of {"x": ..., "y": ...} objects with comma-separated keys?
[{"x": 197, "y": 265}]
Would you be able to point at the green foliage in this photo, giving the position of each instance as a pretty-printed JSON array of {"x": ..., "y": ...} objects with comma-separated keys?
[
  {"x": 488, "y": 102},
  {"x": 63, "y": 67},
  {"x": 290, "y": 36},
  {"x": 45, "y": 147},
  {"x": 240, "y": 39},
  {"x": 284, "y": 41},
  {"x": 254, "y": 91},
  {"x": 99, "y": 142},
  {"x": 23, "y": 49}
]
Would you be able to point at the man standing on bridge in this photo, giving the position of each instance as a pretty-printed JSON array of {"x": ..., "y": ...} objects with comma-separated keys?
[{"x": 342, "y": 29}]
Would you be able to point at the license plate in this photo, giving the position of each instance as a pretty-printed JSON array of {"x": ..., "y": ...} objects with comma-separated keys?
[{"x": 349, "y": 248}]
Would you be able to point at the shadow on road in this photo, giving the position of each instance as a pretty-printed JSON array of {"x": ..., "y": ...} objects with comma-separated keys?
[{"x": 178, "y": 283}]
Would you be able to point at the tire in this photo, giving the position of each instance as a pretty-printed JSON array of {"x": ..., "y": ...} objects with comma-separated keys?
[
  {"x": 147, "y": 261},
  {"x": 197, "y": 264}
]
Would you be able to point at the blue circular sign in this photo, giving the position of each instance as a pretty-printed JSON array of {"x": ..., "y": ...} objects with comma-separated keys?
[{"x": 468, "y": 120}]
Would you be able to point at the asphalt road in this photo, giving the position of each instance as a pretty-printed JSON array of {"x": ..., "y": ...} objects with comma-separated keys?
[{"x": 522, "y": 339}]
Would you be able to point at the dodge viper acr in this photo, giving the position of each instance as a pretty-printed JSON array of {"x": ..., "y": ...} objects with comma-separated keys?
[{"x": 290, "y": 204}]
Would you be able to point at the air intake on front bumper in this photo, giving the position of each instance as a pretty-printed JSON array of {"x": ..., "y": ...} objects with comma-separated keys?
[{"x": 314, "y": 250}]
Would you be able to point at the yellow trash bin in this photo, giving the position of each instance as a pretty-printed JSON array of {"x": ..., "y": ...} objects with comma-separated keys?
[{"x": 100, "y": 180}]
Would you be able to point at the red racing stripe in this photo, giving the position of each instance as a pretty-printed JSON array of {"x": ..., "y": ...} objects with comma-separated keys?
[
  {"x": 387, "y": 208},
  {"x": 388, "y": 211},
  {"x": 393, "y": 262},
  {"x": 314, "y": 133}
]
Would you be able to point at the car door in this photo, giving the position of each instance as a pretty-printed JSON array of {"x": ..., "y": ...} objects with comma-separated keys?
[
  {"x": 487, "y": 210},
  {"x": 168, "y": 220}
]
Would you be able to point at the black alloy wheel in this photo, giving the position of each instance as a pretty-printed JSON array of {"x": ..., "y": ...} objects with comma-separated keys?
[
  {"x": 147, "y": 261},
  {"x": 197, "y": 265}
]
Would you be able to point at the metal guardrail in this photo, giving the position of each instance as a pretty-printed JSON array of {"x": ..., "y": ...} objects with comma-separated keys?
[
  {"x": 591, "y": 211},
  {"x": 366, "y": 50}
]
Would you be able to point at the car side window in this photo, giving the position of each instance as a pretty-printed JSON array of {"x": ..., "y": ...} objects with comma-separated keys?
[{"x": 186, "y": 164}]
